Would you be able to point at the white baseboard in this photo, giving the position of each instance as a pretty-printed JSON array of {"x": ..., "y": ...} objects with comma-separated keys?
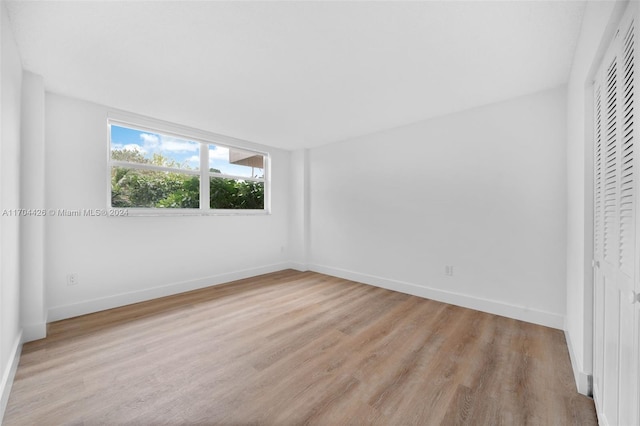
[
  {"x": 602, "y": 419},
  {"x": 57, "y": 313},
  {"x": 491, "y": 306},
  {"x": 9, "y": 374},
  {"x": 582, "y": 379},
  {"x": 522, "y": 313},
  {"x": 33, "y": 332}
]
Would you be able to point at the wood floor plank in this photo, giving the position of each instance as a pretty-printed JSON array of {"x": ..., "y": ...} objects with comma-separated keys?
[
  {"x": 460, "y": 408},
  {"x": 294, "y": 348}
]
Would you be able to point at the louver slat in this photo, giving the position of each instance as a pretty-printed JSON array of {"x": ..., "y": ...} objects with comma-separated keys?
[
  {"x": 610, "y": 192},
  {"x": 627, "y": 161},
  {"x": 598, "y": 175}
]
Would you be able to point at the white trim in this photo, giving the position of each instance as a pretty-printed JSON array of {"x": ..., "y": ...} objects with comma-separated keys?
[
  {"x": 522, "y": 313},
  {"x": 602, "y": 419},
  {"x": 9, "y": 374},
  {"x": 57, "y": 313},
  {"x": 582, "y": 379},
  {"x": 120, "y": 212}
]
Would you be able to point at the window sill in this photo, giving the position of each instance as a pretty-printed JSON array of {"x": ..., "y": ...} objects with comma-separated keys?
[{"x": 139, "y": 212}]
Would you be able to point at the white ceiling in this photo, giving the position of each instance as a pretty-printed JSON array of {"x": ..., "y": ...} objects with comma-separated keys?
[{"x": 296, "y": 74}]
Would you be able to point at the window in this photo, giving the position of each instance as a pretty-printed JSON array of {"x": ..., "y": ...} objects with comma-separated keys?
[{"x": 157, "y": 171}]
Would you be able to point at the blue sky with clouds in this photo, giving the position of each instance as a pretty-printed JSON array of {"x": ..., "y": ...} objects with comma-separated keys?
[{"x": 183, "y": 151}]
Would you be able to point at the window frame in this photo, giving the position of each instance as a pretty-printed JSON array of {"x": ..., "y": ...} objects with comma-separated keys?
[{"x": 146, "y": 124}]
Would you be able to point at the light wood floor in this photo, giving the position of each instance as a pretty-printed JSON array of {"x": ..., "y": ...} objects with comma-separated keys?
[{"x": 296, "y": 348}]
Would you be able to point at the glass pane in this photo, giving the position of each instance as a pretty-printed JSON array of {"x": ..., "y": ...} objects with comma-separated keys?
[
  {"x": 152, "y": 189},
  {"x": 137, "y": 146},
  {"x": 236, "y": 162},
  {"x": 235, "y": 194}
]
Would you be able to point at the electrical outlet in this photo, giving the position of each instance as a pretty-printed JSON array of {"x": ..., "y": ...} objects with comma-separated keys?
[
  {"x": 72, "y": 278},
  {"x": 448, "y": 270}
]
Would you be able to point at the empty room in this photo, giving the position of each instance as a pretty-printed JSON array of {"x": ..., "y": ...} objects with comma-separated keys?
[{"x": 319, "y": 212}]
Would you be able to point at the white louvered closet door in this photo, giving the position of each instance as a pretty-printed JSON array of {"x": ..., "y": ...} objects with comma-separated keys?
[{"x": 616, "y": 375}]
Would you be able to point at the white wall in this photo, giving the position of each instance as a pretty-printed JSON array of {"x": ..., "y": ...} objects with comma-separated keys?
[
  {"x": 482, "y": 190},
  {"x": 299, "y": 209},
  {"x": 599, "y": 23},
  {"x": 32, "y": 178},
  {"x": 123, "y": 260},
  {"x": 10, "y": 86}
]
